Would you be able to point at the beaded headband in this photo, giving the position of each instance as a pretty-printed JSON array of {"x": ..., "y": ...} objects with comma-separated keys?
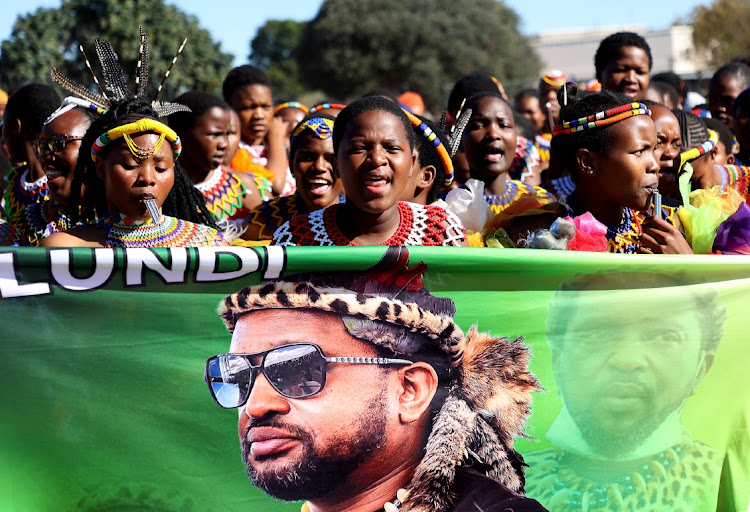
[
  {"x": 72, "y": 102},
  {"x": 320, "y": 126},
  {"x": 692, "y": 154},
  {"x": 142, "y": 125},
  {"x": 603, "y": 118},
  {"x": 555, "y": 77},
  {"x": 291, "y": 104},
  {"x": 324, "y": 106},
  {"x": 436, "y": 143}
]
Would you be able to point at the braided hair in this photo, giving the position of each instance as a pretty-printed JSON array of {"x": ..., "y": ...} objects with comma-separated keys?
[
  {"x": 565, "y": 147},
  {"x": 184, "y": 201}
]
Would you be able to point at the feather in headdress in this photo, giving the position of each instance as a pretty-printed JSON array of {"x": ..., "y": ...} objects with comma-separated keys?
[
  {"x": 141, "y": 71},
  {"x": 169, "y": 70},
  {"x": 80, "y": 90},
  {"x": 457, "y": 131},
  {"x": 114, "y": 76},
  {"x": 93, "y": 75}
]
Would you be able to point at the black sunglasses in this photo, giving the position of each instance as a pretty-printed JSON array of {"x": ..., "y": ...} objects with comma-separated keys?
[
  {"x": 295, "y": 371},
  {"x": 56, "y": 143}
]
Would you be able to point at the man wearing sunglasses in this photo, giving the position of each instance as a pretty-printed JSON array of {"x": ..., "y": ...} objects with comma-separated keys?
[{"x": 357, "y": 391}]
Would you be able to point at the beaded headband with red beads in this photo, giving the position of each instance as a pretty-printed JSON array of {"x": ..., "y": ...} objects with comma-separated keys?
[
  {"x": 603, "y": 118},
  {"x": 291, "y": 104}
]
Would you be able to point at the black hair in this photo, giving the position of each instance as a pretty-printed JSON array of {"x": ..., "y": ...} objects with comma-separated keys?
[
  {"x": 725, "y": 134},
  {"x": 385, "y": 93},
  {"x": 693, "y": 130},
  {"x": 199, "y": 102},
  {"x": 597, "y": 139},
  {"x": 610, "y": 46},
  {"x": 741, "y": 99},
  {"x": 32, "y": 104},
  {"x": 525, "y": 128},
  {"x": 736, "y": 69},
  {"x": 295, "y": 141},
  {"x": 184, "y": 200},
  {"x": 428, "y": 155},
  {"x": 242, "y": 76},
  {"x": 367, "y": 104},
  {"x": 526, "y": 93},
  {"x": 673, "y": 79},
  {"x": 663, "y": 89},
  {"x": 469, "y": 85}
]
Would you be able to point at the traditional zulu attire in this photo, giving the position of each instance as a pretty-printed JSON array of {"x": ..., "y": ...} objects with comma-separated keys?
[
  {"x": 418, "y": 225},
  {"x": 169, "y": 232},
  {"x": 469, "y": 462},
  {"x": 21, "y": 192},
  {"x": 514, "y": 190},
  {"x": 39, "y": 220}
]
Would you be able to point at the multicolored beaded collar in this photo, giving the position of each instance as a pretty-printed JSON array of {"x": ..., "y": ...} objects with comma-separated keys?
[
  {"x": 223, "y": 193},
  {"x": 122, "y": 231},
  {"x": 142, "y": 125},
  {"x": 437, "y": 143},
  {"x": 291, "y": 104},
  {"x": 600, "y": 119}
]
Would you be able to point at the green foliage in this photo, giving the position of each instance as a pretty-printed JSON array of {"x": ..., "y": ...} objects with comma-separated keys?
[
  {"x": 274, "y": 48},
  {"x": 723, "y": 29},
  {"x": 422, "y": 45},
  {"x": 50, "y": 37}
]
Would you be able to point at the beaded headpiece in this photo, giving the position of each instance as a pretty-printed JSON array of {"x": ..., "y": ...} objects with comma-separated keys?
[
  {"x": 697, "y": 152},
  {"x": 115, "y": 82},
  {"x": 141, "y": 125},
  {"x": 489, "y": 383},
  {"x": 325, "y": 106},
  {"x": 291, "y": 104},
  {"x": 555, "y": 77},
  {"x": 604, "y": 118},
  {"x": 432, "y": 137},
  {"x": 70, "y": 103},
  {"x": 320, "y": 126}
]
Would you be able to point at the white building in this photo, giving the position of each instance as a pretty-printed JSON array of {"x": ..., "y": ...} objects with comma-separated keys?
[{"x": 572, "y": 51}]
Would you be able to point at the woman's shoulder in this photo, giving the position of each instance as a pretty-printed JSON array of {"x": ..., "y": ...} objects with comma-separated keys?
[{"x": 88, "y": 235}]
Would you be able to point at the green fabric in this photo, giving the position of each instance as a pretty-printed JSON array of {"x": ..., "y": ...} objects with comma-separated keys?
[{"x": 104, "y": 406}]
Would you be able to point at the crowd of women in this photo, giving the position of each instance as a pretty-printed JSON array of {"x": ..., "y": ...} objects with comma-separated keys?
[{"x": 619, "y": 164}]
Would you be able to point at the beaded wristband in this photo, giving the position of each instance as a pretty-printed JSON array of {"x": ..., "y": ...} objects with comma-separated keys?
[
  {"x": 291, "y": 104},
  {"x": 142, "y": 125},
  {"x": 603, "y": 118},
  {"x": 437, "y": 144}
]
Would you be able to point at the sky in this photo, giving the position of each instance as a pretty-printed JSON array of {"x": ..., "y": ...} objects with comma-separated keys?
[{"x": 234, "y": 22}]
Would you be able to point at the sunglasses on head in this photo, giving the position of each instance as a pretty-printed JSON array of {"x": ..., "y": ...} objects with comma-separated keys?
[
  {"x": 56, "y": 143},
  {"x": 295, "y": 371}
]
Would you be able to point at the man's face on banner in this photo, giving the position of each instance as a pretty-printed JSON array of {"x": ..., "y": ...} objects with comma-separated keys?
[
  {"x": 622, "y": 370},
  {"x": 303, "y": 448}
]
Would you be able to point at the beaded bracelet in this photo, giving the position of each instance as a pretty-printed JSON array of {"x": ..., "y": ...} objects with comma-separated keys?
[
  {"x": 603, "y": 118},
  {"x": 437, "y": 144},
  {"x": 291, "y": 104}
]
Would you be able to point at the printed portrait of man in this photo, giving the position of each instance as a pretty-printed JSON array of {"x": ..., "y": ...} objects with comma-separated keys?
[{"x": 628, "y": 351}]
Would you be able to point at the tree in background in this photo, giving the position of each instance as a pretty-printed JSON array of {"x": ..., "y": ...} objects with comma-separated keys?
[
  {"x": 422, "y": 45},
  {"x": 50, "y": 37},
  {"x": 723, "y": 29},
  {"x": 274, "y": 49}
]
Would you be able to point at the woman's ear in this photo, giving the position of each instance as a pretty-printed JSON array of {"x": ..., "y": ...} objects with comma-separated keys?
[
  {"x": 428, "y": 177},
  {"x": 585, "y": 161}
]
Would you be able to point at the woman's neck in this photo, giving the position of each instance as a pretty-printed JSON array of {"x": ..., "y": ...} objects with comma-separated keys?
[
  {"x": 497, "y": 186},
  {"x": 365, "y": 228},
  {"x": 606, "y": 212}
]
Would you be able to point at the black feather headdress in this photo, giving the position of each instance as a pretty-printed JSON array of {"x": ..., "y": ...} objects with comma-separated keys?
[{"x": 115, "y": 82}]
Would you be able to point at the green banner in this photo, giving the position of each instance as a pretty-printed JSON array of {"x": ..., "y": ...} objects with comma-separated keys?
[{"x": 643, "y": 359}]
